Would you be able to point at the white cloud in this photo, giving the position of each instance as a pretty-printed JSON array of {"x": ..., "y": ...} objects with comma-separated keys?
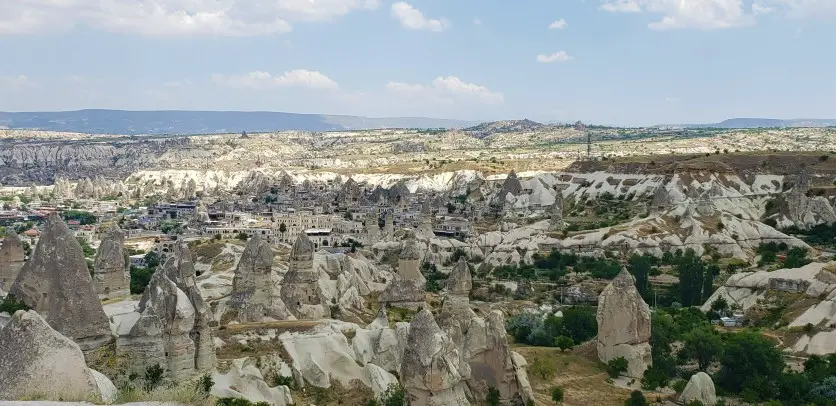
[
  {"x": 680, "y": 14},
  {"x": 799, "y": 8},
  {"x": 560, "y": 56},
  {"x": 672, "y": 99},
  {"x": 760, "y": 9},
  {"x": 413, "y": 19},
  {"x": 447, "y": 90},
  {"x": 477, "y": 21},
  {"x": 265, "y": 80},
  {"x": 558, "y": 25},
  {"x": 230, "y": 18},
  {"x": 19, "y": 81}
]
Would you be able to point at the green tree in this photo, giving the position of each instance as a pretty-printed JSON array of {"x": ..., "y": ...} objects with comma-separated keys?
[
  {"x": 617, "y": 366},
  {"x": 152, "y": 259},
  {"x": 282, "y": 229},
  {"x": 750, "y": 362},
  {"x": 691, "y": 279},
  {"x": 564, "y": 343},
  {"x": 702, "y": 344},
  {"x": 636, "y": 399},
  {"x": 579, "y": 323},
  {"x": 89, "y": 252},
  {"x": 639, "y": 266},
  {"x": 242, "y": 236},
  {"x": 557, "y": 394}
]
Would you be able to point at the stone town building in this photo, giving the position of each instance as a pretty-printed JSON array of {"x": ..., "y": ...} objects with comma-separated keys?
[{"x": 11, "y": 259}]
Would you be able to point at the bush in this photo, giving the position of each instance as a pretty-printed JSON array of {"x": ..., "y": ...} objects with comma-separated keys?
[
  {"x": 394, "y": 396},
  {"x": 281, "y": 380},
  {"x": 617, "y": 366},
  {"x": 636, "y": 399},
  {"x": 10, "y": 305},
  {"x": 493, "y": 398},
  {"x": 242, "y": 236},
  {"x": 679, "y": 385},
  {"x": 153, "y": 377},
  {"x": 544, "y": 367},
  {"x": 557, "y": 394},
  {"x": 205, "y": 384},
  {"x": 564, "y": 343},
  {"x": 654, "y": 377},
  {"x": 238, "y": 402}
]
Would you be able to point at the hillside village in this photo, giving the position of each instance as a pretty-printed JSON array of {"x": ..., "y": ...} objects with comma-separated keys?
[{"x": 433, "y": 286}]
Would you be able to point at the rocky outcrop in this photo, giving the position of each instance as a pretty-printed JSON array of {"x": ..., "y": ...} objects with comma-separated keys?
[
  {"x": 37, "y": 361},
  {"x": 110, "y": 270},
  {"x": 11, "y": 258},
  {"x": 254, "y": 296},
  {"x": 624, "y": 325},
  {"x": 56, "y": 283},
  {"x": 324, "y": 354},
  {"x": 182, "y": 273},
  {"x": 244, "y": 381},
  {"x": 460, "y": 282},
  {"x": 301, "y": 292},
  {"x": 432, "y": 372},
  {"x": 700, "y": 388},
  {"x": 455, "y": 310},
  {"x": 408, "y": 288},
  {"x": 161, "y": 334},
  {"x": 556, "y": 222},
  {"x": 492, "y": 363}
]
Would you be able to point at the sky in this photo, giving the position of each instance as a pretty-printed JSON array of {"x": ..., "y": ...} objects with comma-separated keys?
[{"x": 617, "y": 62}]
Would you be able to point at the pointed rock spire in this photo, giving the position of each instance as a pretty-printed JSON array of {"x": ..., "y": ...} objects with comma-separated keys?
[
  {"x": 11, "y": 259},
  {"x": 110, "y": 273},
  {"x": 56, "y": 283}
]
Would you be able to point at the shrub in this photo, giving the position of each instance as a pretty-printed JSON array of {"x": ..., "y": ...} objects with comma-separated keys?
[
  {"x": 242, "y": 236},
  {"x": 394, "y": 396},
  {"x": 153, "y": 377},
  {"x": 557, "y": 394},
  {"x": 636, "y": 399},
  {"x": 205, "y": 384},
  {"x": 544, "y": 368},
  {"x": 617, "y": 366},
  {"x": 238, "y": 402},
  {"x": 281, "y": 380},
  {"x": 10, "y": 305},
  {"x": 679, "y": 385},
  {"x": 492, "y": 399},
  {"x": 654, "y": 377},
  {"x": 564, "y": 343}
]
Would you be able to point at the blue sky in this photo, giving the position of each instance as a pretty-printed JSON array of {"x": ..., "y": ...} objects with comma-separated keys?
[{"x": 628, "y": 62}]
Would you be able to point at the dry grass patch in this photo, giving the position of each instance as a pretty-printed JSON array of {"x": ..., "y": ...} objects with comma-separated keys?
[{"x": 582, "y": 379}]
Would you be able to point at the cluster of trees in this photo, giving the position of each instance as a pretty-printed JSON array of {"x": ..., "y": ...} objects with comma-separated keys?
[
  {"x": 793, "y": 257},
  {"x": 556, "y": 264},
  {"x": 83, "y": 217},
  {"x": 141, "y": 276},
  {"x": 435, "y": 279},
  {"x": 747, "y": 363},
  {"x": 822, "y": 234},
  {"x": 577, "y": 325}
]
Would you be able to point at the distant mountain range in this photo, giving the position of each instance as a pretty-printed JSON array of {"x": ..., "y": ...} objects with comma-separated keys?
[
  {"x": 205, "y": 122},
  {"x": 761, "y": 123}
]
